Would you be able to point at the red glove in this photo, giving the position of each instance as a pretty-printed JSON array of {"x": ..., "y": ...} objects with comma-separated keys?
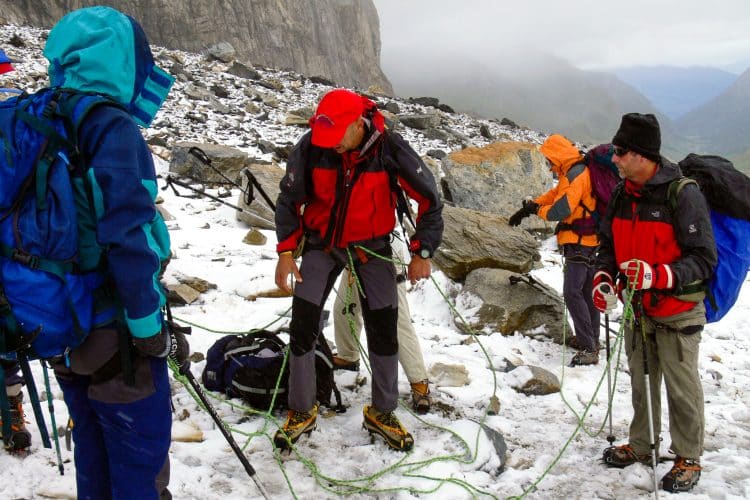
[
  {"x": 642, "y": 276},
  {"x": 603, "y": 295}
]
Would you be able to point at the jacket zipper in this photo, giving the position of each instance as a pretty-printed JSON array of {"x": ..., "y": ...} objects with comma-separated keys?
[{"x": 349, "y": 169}]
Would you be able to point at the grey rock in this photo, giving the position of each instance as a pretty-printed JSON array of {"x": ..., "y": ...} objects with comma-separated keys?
[
  {"x": 473, "y": 240},
  {"x": 433, "y": 102},
  {"x": 438, "y": 154},
  {"x": 182, "y": 294},
  {"x": 198, "y": 284},
  {"x": 222, "y": 51},
  {"x": 392, "y": 107},
  {"x": 258, "y": 213},
  {"x": 442, "y": 374},
  {"x": 229, "y": 161},
  {"x": 498, "y": 442},
  {"x": 509, "y": 308},
  {"x": 496, "y": 178},
  {"x": 321, "y": 80},
  {"x": 255, "y": 237},
  {"x": 484, "y": 131},
  {"x": 243, "y": 71},
  {"x": 541, "y": 383},
  {"x": 509, "y": 123},
  {"x": 421, "y": 122}
]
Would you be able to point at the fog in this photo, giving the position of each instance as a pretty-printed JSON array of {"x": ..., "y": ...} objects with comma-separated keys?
[{"x": 590, "y": 34}]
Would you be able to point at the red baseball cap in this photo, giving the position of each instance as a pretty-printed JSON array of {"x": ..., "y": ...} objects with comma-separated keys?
[
  {"x": 5, "y": 65},
  {"x": 337, "y": 110}
]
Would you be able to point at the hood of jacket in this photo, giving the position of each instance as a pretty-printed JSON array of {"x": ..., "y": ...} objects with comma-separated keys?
[
  {"x": 561, "y": 153},
  {"x": 101, "y": 50}
]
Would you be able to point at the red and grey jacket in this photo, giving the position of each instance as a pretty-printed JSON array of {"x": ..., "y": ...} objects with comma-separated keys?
[
  {"x": 347, "y": 198},
  {"x": 641, "y": 225}
]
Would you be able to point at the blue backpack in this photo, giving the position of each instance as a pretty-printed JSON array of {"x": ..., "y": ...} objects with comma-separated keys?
[
  {"x": 49, "y": 259},
  {"x": 727, "y": 191}
]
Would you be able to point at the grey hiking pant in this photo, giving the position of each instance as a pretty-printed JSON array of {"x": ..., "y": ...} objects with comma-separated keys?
[
  {"x": 319, "y": 270},
  {"x": 577, "y": 287},
  {"x": 347, "y": 336},
  {"x": 672, "y": 353}
]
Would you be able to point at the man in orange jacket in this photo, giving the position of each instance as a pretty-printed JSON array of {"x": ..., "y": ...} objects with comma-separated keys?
[{"x": 571, "y": 203}]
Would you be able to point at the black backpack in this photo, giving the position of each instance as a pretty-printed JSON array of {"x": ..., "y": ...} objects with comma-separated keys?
[{"x": 250, "y": 367}]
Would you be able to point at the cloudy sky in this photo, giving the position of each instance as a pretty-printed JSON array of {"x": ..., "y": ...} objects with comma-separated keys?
[{"x": 591, "y": 34}]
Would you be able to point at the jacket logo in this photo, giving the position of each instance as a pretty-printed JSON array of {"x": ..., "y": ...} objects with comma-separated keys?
[
  {"x": 656, "y": 214},
  {"x": 692, "y": 229}
]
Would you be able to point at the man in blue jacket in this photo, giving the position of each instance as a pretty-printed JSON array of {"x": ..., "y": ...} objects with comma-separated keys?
[{"x": 121, "y": 414}]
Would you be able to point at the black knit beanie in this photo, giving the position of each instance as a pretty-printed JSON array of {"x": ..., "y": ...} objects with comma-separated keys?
[{"x": 640, "y": 133}]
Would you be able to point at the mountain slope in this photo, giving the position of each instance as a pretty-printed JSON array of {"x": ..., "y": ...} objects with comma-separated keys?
[
  {"x": 722, "y": 125},
  {"x": 676, "y": 91},
  {"x": 531, "y": 88},
  {"x": 275, "y": 33}
]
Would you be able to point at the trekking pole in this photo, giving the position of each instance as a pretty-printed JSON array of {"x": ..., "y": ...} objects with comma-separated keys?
[
  {"x": 227, "y": 435},
  {"x": 224, "y": 431},
  {"x": 204, "y": 159},
  {"x": 171, "y": 181},
  {"x": 610, "y": 436},
  {"x": 647, "y": 381},
  {"x": 253, "y": 181},
  {"x": 52, "y": 418},
  {"x": 533, "y": 283}
]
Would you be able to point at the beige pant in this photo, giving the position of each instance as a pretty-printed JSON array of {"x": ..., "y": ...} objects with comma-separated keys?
[
  {"x": 673, "y": 355},
  {"x": 347, "y": 337}
]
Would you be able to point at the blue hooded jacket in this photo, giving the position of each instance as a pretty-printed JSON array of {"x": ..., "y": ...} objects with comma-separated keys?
[{"x": 100, "y": 50}]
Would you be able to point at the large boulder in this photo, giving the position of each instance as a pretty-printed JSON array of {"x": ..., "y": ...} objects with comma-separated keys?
[
  {"x": 472, "y": 240},
  {"x": 227, "y": 160},
  {"x": 496, "y": 178},
  {"x": 499, "y": 305}
]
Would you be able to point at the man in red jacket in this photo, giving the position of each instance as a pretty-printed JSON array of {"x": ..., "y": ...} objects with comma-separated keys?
[
  {"x": 339, "y": 197},
  {"x": 662, "y": 254}
]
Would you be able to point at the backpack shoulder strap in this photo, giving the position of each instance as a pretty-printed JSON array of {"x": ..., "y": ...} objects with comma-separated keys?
[
  {"x": 673, "y": 191},
  {"x": 402, "y": 204}
]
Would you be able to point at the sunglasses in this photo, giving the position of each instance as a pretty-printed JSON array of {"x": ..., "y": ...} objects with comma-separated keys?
[{"x": 619, "y": 151}]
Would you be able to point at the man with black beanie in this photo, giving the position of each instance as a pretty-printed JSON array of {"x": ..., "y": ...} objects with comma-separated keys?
[{"x": 661, "y": 254}]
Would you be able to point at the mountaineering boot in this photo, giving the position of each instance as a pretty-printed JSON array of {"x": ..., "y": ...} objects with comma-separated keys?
[
  {"x": 585, "y": 358},
  {"x": 683, "y": 476},
  {"x": 387, "y": 425},
  {"x": 20, "y": 437},
  {"x": 420, "y": 395},
  {"x": 624, "y": 455},
  {"x": 343, "y": 364},
  {"x": 576, "y": 344},
  {"x": 297, "y": 423}
]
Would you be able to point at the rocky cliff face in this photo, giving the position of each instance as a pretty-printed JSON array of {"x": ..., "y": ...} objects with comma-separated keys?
[{"x": 337, "y": 39}]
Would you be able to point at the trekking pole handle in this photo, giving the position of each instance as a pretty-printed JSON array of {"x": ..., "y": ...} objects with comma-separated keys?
[{"x": 254, "y": 181}]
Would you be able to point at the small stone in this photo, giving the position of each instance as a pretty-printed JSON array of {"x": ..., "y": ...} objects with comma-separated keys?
[{"x": 254, "y": 237}]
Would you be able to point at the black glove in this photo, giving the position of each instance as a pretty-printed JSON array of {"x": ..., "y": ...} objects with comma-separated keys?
[
  {"x": 168, "y": 342},
  {"x": 179, "y": 350},
  {"x": 529, "y": 207}
]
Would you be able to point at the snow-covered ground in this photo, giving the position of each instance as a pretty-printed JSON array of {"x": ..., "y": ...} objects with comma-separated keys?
[{"x": 452, "y": 457}]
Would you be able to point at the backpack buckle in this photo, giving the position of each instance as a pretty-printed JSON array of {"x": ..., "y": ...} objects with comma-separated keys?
[{"x": 26, "y": 259}]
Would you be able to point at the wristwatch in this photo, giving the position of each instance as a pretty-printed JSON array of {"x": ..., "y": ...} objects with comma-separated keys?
[{"x": 424, "y": 253}]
